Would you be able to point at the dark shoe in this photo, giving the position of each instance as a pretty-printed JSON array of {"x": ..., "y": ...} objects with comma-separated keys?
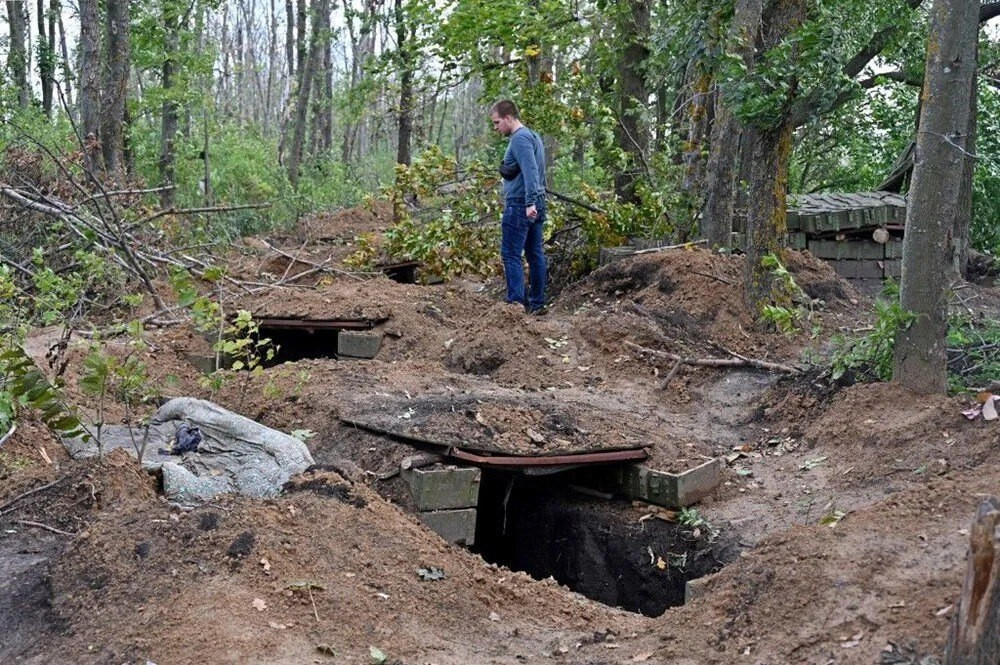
[{"x": 538, "y": 311}]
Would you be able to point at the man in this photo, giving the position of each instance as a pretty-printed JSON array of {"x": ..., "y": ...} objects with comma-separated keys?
[{"x": 523, "y": 171}]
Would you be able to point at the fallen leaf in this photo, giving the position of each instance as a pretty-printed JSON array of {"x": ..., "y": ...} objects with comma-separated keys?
[
  {"x": 378, "y": 656},
  {"x": 660, "y": 563},
  {"x": 944, "y": 610},
  {"x": 494, "y": 616},
  {"x": 259, "y": 604},
  {"x": 642, "y": 657},
  {"x": 276, "y": 626},
  {"x": 266, "y": 565},
  {"x": 326, "y": 649}
]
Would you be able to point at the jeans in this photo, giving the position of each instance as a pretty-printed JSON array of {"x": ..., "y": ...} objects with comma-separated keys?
[{"x": 523, "y": 236}]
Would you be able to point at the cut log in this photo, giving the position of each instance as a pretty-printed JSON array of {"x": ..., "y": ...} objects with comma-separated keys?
[{"x": 974, "y": 638}]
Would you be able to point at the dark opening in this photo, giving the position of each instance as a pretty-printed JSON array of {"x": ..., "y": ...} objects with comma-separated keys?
[
  {"x": 595, "y": 546},
  {"x": 299, "y": 343},
  {"x": 404, "y": 273}
]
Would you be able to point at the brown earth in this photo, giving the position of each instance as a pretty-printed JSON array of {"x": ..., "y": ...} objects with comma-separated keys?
[{"x": 332, "y": 563}]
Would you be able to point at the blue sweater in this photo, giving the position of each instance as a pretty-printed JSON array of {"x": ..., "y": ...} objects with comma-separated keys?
[{"x": 526, "y": 150}]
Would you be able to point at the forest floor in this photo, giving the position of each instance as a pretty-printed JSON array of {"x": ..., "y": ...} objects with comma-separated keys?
[{"x": 840, "y": 528}]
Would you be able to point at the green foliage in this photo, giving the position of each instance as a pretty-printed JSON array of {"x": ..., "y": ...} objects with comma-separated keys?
[
  {"x": 26, "y": 386},
  {"x": 869, "y": 358},
  {"x": 452, "y": 235},
  {"x": 787, "y": 319},
  {"x": 973, "y": 352}
]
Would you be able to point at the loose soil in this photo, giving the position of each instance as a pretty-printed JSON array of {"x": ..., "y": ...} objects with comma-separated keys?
[{"x": 838, "y": 534}]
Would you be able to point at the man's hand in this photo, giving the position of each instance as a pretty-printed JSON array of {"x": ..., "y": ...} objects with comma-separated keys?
[{"x": 531, "y": 212}]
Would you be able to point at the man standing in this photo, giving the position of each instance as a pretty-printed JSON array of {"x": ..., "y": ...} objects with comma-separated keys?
[{"x": 523, "y": 171}]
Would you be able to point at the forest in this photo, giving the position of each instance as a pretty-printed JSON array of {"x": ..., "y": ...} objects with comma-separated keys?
[{"x": 256, "y": 360}]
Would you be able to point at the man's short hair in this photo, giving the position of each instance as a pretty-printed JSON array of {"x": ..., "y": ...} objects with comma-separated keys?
[{"x": 505, "y": 108}]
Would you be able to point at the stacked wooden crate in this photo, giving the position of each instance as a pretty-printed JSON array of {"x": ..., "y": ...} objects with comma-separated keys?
[{"x": 858, "y": 234}]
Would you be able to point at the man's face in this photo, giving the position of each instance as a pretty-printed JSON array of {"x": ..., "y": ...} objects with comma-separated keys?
[{"x": 502, "y": 124}]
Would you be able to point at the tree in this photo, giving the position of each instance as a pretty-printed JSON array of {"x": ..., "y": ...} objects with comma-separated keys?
[
  {"x": 114, "y": 87},
  {"x": 47, "y": 51},
  {"x": 920, "y": 356},
  {"x": 17, "y": 56},
  {"x": 632, "y": 93},
  {"x": 405, "y": 36},
  {"x": 90, "y": 84},
  {"x": 306, "y": 76}
]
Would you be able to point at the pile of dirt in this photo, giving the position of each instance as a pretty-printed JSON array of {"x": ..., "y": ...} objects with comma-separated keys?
[
  {"x": 883, "y": 581},
  {"x": 692, "y": 300},
  {"x": 346, "y": 224},
  {"x": 323, "y": 575}
]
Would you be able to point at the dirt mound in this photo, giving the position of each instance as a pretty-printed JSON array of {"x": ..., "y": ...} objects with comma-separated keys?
[
  {"x": 694, "y": 298},
  {"x": 346, "y": 224},
  {"x": 72, "y": 497},
  {"x": 331, "y": 569},
  {"x": 882, "y": 428},
  {"x": 884, "y": 579}
]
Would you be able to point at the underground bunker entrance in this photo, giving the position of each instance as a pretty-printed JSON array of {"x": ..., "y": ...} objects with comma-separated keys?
[
  {"x": 299, "y": 343},
  {"x": 598, "y": 547}
]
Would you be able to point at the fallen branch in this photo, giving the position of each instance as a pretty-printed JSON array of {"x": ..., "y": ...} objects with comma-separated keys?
[
  {"x": 39, "y": 525},
  {"x": 4, "y": 508},
  {"x": 10, "y": 432},
  {"x": 198, "y": 211},
  {"x": 317, "y": 266},
  {"x": 576, "y": 202},
  {"x": 684, "y": 245},
  {"x": 736, "y": 361}
]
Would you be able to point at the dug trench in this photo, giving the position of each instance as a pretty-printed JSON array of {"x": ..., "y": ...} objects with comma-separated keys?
[{"x": 635, "y": 557}]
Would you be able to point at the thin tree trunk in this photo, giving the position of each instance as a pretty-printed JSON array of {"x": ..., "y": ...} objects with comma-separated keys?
[
  {"x": 115, "y": 85},
  {"x": 302, "y": 103},
  {"x": 90, "y": 84},
  {"x": 46, "y": 53},
  {"x": 168, "y": 125},
  {"x": 301, "y": 41},
  {"x": 632, "y": 95},
  {"x": 17, "y": 55},
  {"x": 405, "y": 117},
  {"x": 67, "y": 77},
  {"x": 290, "y": 37},
  {"x": 919, "y": 361}
]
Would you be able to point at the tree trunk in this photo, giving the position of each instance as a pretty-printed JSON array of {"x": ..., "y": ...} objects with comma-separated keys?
[
  {"x": 974, "y": 638},
  {"x": 301, "y": 41},
  {"x": 46, "y": 53},
  {"x": 17, "y": 55},
  {"x": 168, "y": 121},
  {"x": 720, "y": 180},
  {"x": 67, "y": 78},
  {"x": 632, "y": 97},
  {"x": 290, "y": 37},
  {"x": 919, "y": 361},
  {"x": 769, "y": 153},
  {"x": 302, "y": 103},
  {"x": 405, "y": 117},
  {"x": 724, "y": 151},
  {"x": 960, "y": 232},
  {"x": 115, "y": 86},
  {"x": 90, "y": 84},
  {"x": 769, "y": 148}
]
